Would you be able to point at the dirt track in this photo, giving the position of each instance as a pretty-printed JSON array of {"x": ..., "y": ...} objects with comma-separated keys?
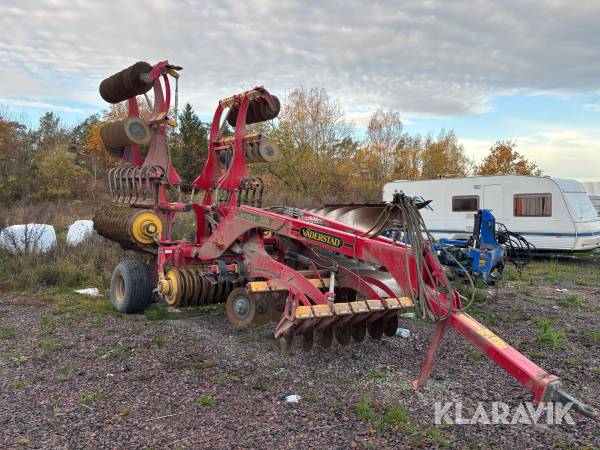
[{"x": 89, "y": 379}]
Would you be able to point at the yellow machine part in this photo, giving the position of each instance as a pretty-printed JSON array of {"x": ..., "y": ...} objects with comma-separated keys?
[
  {"x": 171, "y": 287},
  {"x": 144, "y": 227}
]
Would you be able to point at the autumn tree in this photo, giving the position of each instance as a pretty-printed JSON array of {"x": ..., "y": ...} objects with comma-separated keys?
[
  {"x": 314, "y": 137},
  {"x": 444, "y": 156},
  {"x": 503, "y": 159}
]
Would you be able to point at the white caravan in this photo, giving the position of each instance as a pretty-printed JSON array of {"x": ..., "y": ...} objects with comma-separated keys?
[
  {"x": 551, "y": 213},
  {"x": 593, "y": 191}
]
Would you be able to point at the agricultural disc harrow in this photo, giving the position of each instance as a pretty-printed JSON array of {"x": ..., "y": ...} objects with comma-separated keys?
[{"x": 322, "y": 275}]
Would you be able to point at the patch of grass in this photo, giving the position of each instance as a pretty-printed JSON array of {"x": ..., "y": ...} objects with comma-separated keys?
[
  {"x": 337, "y": 405},
  {"x": 549, "y": 337},
  {"x": 260, "y": 385},
  {"x": 158, "y": 312},
  {"x": 49, "y": 345},
  {"x": 22, "y": 442},
  {"x": 125, "y": 411},
  {"x": 570, "y": 301},
  {"x": 595, "y": 336},
  {"x": 312, "y": 395},
  {"x": 539, "y": 355},
  {"x": 205, "y": 401},
  {"x": 436, "y": 437},
  {"x": 242, "y": 338},
  {"x": 396, "y": 417},
  {"x": 483, "y": 315},
  {"x": 363, "y": 410},
  {"x": 252, "y": 356},
  {"x": 223, "y": 378},
  {"x": 86, "y": 398},
  {"x": 378, "y": 374},
  {"x": 7, "y": 332},
  {"x": 474, "y": 354},
  {"x": 65, "y": 373},
  {"x": 159, "y": 340},
  {"x": 526, "y": 293}
]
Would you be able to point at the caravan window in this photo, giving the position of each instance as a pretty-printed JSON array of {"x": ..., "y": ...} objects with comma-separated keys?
[
  {"x": 533, "y": 205},
  {"x": 463, "y": 203}
]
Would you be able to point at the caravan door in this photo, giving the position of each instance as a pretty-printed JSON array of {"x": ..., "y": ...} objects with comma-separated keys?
[{"x": 492, "y": 199}]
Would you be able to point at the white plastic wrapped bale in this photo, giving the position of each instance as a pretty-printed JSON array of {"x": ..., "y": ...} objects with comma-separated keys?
[
  {"x": 31, "y": 237},
  {"x": 79, "y": 231}
]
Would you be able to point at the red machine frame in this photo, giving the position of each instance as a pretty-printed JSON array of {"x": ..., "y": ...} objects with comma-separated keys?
[{"x": 251, "y": 229}]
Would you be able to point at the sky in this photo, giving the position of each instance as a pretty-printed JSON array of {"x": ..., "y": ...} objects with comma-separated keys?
[{"x": 522, "y": 70}]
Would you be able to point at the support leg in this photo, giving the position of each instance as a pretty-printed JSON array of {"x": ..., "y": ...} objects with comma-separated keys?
[{"x": 434, "y": 346}]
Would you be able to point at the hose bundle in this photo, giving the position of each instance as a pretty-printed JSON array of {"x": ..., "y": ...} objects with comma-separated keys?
[
  {"x": 420, "y": 239},
  {"x": 518, "y": 250}
]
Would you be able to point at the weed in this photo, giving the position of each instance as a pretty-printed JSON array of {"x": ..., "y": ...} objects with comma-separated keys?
[
  {"x": 337, "y": 405},
  {"x": 252, "y": 356},
  {"x": 595, "y": 336},
  {"x": 364, "y": 410},
  {"x": 159, "y": 340},
  {"x": 242, "y": 338},
  {"x": 436, "y": 437},
  {"x": 206, "y": 364},
  {"x": 125, "y": 411},
  {"x": 226, "y": 378},
  {"x": 65, "y": 373},
  {"x": 22, "y": 442},
  {"x": 205, "y": 400},
  {"x": 7, "y": 332},
  {"x": 396, "y": 417},
  {"x": 49, "y": 345},
  {"x": 260, "y": 385},
  {"x": 19, "y": 384},
  {"x": 550, "y": 337},
  {"x": 474, "y": 355},
  {"x": 312, "y": 395},
  {"x": 86, "y": 398},
  {"x": 570, "y": 301},
  {"x": 377, "y": 374}
]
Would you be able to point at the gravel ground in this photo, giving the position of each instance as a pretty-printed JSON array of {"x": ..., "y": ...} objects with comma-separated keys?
[{"x": 73, "y": 375}]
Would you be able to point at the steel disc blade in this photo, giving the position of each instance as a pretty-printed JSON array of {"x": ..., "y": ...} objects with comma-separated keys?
[
  {"x": 325, "y": 337},
  {"x": 343, "y": 334},
  {"x": 375, "y": 328},
  {"x": 263, "y": 310},
  {"x": 359, "y": 331},
  {"x": 204, "y": 291},
  {"x": 218, "y": 292},
  {"x": 308, "y": 337},
  {"x": 210, "y": 295},
  {"x": 240, "y": 307},
  {"x": 187, "y": 285},
  {"x": 390, "y": 326},
  {"x": 287, "y": 340}
]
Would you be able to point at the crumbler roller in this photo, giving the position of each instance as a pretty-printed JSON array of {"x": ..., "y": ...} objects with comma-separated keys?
[{"x": 323, "y": 276}]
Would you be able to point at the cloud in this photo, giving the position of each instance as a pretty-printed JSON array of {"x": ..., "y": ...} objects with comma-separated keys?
[
  {"x": 422, "y": 58},
  {"x": 558, "y": 152}
]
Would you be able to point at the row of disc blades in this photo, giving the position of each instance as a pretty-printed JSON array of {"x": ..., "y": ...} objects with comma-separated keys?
[
  {"x": 193, "y": 289},
  {"x": 342, "y": 333}
]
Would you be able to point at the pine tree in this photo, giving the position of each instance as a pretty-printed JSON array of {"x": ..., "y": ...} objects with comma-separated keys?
[{"x": 190, "y": 145}]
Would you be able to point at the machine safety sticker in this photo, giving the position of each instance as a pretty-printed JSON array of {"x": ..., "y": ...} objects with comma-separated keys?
[{"x": 323, "y": 238}]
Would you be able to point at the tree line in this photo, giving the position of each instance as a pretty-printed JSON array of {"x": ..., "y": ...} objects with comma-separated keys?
[{"x": 325, "y": 158}]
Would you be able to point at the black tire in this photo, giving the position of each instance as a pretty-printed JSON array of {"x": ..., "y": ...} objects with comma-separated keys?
[{"x": 131, "y": 287}]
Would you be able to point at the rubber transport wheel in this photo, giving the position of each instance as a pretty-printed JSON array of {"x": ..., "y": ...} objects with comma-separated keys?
[{"x": 131, "y": 287}]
